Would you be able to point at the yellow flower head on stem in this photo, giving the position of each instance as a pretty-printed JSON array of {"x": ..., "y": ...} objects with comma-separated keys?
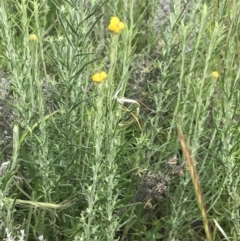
[
  {"x": 115, "y": 25},
  {"x": 33, "y": 37},
  {"x": 215, "y": 74},
  {"x": 99, "y": 77}
]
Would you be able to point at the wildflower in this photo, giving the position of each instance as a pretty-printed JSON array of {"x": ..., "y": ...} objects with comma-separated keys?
[
  {"x": 99, "y": 77},
  {"x": 33, "y": 37},
  {"x": 215, "y": 74},
  {"x": 116, "y": 25}
]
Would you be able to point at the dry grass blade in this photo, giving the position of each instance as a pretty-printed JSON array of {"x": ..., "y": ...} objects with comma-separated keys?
[
  {"x": 196, "y": 184},
  {"x": 36, "y": 204}
]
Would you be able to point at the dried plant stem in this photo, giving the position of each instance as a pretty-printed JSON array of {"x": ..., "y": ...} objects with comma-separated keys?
[{"x": 196, "y": 184}]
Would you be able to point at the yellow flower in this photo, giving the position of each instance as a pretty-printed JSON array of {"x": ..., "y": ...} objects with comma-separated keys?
[
  {"x": 33, "y": 37},
  {"x": 99, "y": 77},
  {"x": 215, "y": 74},
  {"x": 116, "y": 25}
]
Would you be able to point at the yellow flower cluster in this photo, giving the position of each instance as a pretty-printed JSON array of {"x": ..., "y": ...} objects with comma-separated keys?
[
  {"x": 99, "y": 77},
  {"x": 33, "y": 37},
  {"x": 116, "y": 25},
  {"x": 215, "y": 74}
]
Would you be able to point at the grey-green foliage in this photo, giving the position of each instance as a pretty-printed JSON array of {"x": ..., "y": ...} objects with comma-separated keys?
[{"x": 101, "y": 151}]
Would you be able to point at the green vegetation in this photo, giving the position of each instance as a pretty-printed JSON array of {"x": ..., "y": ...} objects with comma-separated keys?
[{"x": 100, "y": 158}]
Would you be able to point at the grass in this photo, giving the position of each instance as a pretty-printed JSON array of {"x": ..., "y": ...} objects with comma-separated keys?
[{"x": 151, "y": 153}]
